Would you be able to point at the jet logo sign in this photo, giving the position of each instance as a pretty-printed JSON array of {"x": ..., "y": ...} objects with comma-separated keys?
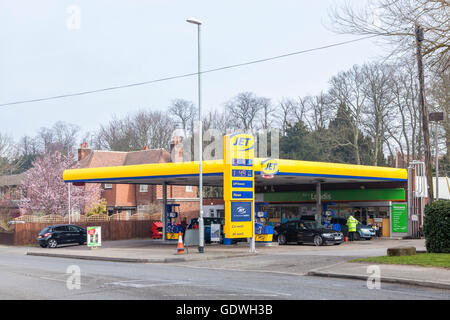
[
  {"x": 242, "y": 143},
  {"x": 270, "y": 166}
]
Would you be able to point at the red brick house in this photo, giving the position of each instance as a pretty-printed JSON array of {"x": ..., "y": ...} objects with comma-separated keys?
[
  {"x": 138, "y": 198},
  {"x": 10, "y": 193}
]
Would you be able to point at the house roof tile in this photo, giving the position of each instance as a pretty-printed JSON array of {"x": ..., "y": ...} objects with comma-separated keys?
[{"x": 101, "y": 158}]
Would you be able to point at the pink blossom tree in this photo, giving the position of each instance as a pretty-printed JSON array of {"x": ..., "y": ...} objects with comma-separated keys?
[{"x": 44, "y": 190}]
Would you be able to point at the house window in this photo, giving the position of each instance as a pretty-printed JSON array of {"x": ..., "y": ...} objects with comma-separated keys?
[
  {"x": 188, "y": 188},
  {"x": 143, "y": 188},
  {"x": 108, "y": 186}
]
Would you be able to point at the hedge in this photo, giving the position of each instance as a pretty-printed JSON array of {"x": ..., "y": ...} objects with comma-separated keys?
[{"x": 436, "y": 226}]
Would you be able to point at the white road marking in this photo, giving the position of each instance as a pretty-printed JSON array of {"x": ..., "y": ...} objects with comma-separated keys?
[
  {"x": 150, "y": 283},
  {"x": 244, "y": 270}
]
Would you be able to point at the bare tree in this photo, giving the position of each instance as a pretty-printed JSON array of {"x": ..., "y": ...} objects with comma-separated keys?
[
  {"x": 440, "y": 101},
  {"x": 28, "y": 146},
  {"x": 160, "y": 132},
  {"x": 60, "y": 137},
  {"x": 406, "y": 131},
  {"x": 396, "y": 20},
  {"x": 185, "y": 114},
  {"x": 378, "y": 83},
  {"x": 133, "y": 132},
  {"x": 7, "y": 154},
  {"x": 300, "y": 110},
  {"x": 286, "y": 113},
  {"x": 267, "y": 115},
  {"x": 221, "y": 121},
  {"x": 245, "y": 109},
  {"x": 347, "y": 91},
  {"x": 116, "y": 135}
]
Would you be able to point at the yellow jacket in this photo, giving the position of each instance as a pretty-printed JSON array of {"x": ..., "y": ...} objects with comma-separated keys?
[{"x": 351, "y": 224}]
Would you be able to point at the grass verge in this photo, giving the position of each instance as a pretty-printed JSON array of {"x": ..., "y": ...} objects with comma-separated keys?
[{"x": 440, "y": 260}]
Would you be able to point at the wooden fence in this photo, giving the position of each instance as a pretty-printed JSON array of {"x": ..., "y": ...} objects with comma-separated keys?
[
  {"x": 26, "y": 233},
  {"x": 7, "y": 238}
]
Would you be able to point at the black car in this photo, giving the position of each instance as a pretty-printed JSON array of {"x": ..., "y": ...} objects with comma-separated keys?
[
  {"x": 52, "y": 236},
  {"x": 307, "y": 231}
]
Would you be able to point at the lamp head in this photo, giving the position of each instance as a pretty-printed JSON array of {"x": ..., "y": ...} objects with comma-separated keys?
[{"x": 194, "y": 21}]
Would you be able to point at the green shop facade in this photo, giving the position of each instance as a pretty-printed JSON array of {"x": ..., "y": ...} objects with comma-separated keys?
[{"x": 384, "y": 207}]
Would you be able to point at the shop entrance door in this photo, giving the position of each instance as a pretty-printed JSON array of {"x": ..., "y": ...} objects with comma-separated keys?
[{"x": 361, "y": 214}]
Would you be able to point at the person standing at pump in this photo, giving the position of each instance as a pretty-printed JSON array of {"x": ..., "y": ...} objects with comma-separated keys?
[{"x": 351, "y": 224}]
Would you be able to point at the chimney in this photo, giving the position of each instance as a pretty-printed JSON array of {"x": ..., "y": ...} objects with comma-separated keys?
[
  {"x": 83, "y": 151},
  {"x": 177, "y": 145}
]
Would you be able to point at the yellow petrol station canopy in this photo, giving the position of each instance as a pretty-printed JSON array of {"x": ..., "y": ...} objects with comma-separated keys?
[{"x": 290, "y": 172}]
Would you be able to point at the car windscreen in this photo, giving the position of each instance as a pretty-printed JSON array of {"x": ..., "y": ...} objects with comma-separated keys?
[{"x": 312, "y": 224}]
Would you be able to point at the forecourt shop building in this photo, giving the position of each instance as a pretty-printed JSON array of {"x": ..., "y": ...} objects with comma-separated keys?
[{"x": 376, "y": 195}]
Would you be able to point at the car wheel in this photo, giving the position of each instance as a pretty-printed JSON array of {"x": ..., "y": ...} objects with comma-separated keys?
[
  {"x": 318, "y": 241},
  {"x": 282, "y": 239},
  {"x": 52, "y": 243},
  {"x": 357, "y": 236}
]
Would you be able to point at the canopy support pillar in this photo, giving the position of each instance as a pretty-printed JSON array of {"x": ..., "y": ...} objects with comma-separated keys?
[
  {"x": 164, "y": 210},
  {"x": 318, "y": 201}
]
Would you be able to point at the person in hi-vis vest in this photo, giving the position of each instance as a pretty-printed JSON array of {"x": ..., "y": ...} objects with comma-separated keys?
[{"x": 351, "y": 224}]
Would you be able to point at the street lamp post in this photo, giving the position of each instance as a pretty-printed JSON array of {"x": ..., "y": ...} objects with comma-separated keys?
[{"x": 200, "y": 141}]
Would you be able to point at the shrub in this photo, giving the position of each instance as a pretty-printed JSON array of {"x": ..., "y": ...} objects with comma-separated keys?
[
  {"x": 97, "y": 209},
  {"x": 436, "y": 226}
]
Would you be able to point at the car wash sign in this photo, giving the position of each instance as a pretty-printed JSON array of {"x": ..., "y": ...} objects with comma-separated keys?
[{"x": 239, "y": 185}]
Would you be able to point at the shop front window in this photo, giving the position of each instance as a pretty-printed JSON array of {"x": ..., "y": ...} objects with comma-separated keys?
[{"x": 289, "y": 213}]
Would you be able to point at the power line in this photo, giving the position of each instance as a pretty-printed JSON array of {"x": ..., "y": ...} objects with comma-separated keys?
[{"x": 187, "y": 74}]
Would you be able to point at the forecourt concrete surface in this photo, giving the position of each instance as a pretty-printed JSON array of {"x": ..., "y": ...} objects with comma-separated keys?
[{"x": 238, "y": 256}]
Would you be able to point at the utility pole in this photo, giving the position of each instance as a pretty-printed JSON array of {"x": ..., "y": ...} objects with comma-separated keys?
[
  {"x": 424, "y": 111},
  {"x": 436, "y": 166},
  {"x": 436, "y": 117}
]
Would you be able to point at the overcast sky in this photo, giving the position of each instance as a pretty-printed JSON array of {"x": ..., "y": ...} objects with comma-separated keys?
[{"x": 121, "y": 42}]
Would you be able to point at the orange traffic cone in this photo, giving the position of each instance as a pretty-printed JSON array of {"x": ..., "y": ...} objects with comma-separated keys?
[{"x": 180, "y": 247}]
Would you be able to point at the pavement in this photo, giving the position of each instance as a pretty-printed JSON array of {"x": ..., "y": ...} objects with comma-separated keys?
[
  {"x": 140, "y": 251},
  {"x": 157, "y": 251},
  {"x": 402, "y": 274}
]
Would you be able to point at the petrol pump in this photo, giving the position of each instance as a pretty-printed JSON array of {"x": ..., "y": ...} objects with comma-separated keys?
[
  {"x": 327, "y": 216},
  {"x": 263, "y": 232},
  {"x": 172, "y": 229}
]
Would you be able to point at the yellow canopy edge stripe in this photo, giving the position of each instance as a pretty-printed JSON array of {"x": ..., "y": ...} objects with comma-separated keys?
[{"x": 217, "y": 166}]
